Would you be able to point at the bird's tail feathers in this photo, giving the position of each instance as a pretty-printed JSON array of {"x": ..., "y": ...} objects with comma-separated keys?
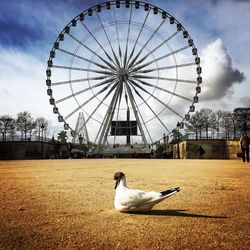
[{"x": 170, "y": 191}]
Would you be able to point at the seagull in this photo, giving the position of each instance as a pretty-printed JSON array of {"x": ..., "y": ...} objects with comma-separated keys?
[{"x": 129, "y": 200}]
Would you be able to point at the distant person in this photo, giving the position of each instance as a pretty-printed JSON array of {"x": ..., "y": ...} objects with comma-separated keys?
[
  {"x": 201, "y": 152},
  {"x": 57, "y": 146},
  {"x": 244, "y": 143}
]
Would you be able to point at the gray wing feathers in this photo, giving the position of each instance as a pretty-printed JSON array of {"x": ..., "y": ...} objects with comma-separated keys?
[{"x": 137, "y": 198}]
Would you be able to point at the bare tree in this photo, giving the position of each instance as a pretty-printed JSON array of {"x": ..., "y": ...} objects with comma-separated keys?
[
  {"x": 12, "y": 129},
  {"x": 213, "y": 124},
  {"x": 202, "y": 120},
  {"x": 226, "y": 123},
  {"x": 195, "y": 124},
  {"x": 25, "y": 123},
  {"x": 243, "y": 118},
  {"x": 236, "y": 123},
  {"x": 217, "y": 125},
  {"x": 6, "y": 124},
  {"x": 207, "y": 118},
  {"x": 2, "y": 129}
]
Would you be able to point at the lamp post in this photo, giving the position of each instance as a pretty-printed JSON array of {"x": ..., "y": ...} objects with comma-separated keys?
[
  {"x": 179, "y": 125},
  {"x": 178, "y": 145},
  {"x": 42, "y": 127},
  {"x": 45, "y": 130}
]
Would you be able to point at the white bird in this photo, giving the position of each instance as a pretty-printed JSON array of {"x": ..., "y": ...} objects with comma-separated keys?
[{"x": 127, "y": 200}]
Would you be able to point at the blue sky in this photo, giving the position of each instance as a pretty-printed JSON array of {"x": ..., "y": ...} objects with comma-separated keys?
[{"x": 220, "y": 29}]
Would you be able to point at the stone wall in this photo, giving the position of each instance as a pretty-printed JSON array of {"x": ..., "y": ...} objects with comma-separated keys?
[
  {"x": 233, "y": 149},
  {"x": 214, "y": 149},
  {"x": 25, "y": 150}
]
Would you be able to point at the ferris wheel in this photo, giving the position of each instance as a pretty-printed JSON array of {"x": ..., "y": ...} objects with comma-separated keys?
[{"x": 130, "y": 67}]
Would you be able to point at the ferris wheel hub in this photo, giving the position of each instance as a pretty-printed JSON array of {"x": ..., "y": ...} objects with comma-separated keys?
[{"x": 123, "y": 74}]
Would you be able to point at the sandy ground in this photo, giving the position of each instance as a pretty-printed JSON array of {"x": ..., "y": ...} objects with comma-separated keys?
[{"x": 68, "y": 204}]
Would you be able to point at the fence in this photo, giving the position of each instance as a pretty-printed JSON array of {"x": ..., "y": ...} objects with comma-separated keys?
[{"x": 192, "y": 136}]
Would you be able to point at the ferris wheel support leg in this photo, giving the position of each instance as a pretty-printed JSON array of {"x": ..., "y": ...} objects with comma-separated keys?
[
  {"x": 99, "y": 130},
  {"x": 105, "y": 117},
  {"x": 112, "y": 113},
  {"x": 128, "y": 120},
  {"x": 136, "y": 114},
  {"x": 109, "y": 117}
]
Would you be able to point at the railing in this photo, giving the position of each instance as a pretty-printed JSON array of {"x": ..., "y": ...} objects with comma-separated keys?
[
  {"x": 221, "y": 136},
  {"x": 127, "y": 149}
]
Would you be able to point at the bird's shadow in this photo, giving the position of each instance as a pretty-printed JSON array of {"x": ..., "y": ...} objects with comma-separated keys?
[{"x": 178, "y": 213}]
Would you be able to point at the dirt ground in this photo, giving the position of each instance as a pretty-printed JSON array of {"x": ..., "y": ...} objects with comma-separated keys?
[{"x": 68, "y": 204}]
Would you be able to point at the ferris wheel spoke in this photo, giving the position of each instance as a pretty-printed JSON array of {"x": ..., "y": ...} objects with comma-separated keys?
[
  {"x": 118, "y": 38},
  {"x": 83, "y": 69},
  {"x": 132, "y": 102},
  {"x": 145, "y": 101},
  {"x": 105, "y": 52},
  {"x": 103, "y": 99},
  {"x": 84, "y": 59},
  {"x": 87, "y": 101},
  {"x": 116, "y": 59},
  {"x": 86, "y": 47},
  {"x": 84, "y": 90},
  {"x": 99, "y": 104},
  {"x": 160, "y": 58},
  {"x": 145, "y": 44},
  {"x": 156, "y": 98},
  {"x": 128, "y": 34},
  {"x": 144, "y": 123},
  {"x": 164, "y": 68},
  {"x": 156, "y": 48},
  {"x": 163, "y": 78},
  {"x": 165, "y": 90},
  {"x": 133, "y": 50},
  {"x": 80, "y": 80}
]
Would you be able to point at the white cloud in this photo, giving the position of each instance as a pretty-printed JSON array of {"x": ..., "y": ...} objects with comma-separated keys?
[
  {"x": 22, "y": 85},
  {"x": 245, "y": 101},
  {"x": 219, "y": 76}
]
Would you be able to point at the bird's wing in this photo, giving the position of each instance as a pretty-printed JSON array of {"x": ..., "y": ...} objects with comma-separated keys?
[{"x": 136, "y": 198}]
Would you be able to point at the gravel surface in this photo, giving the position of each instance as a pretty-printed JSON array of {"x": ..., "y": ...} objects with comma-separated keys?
[{"x": 68, "y": 204}]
